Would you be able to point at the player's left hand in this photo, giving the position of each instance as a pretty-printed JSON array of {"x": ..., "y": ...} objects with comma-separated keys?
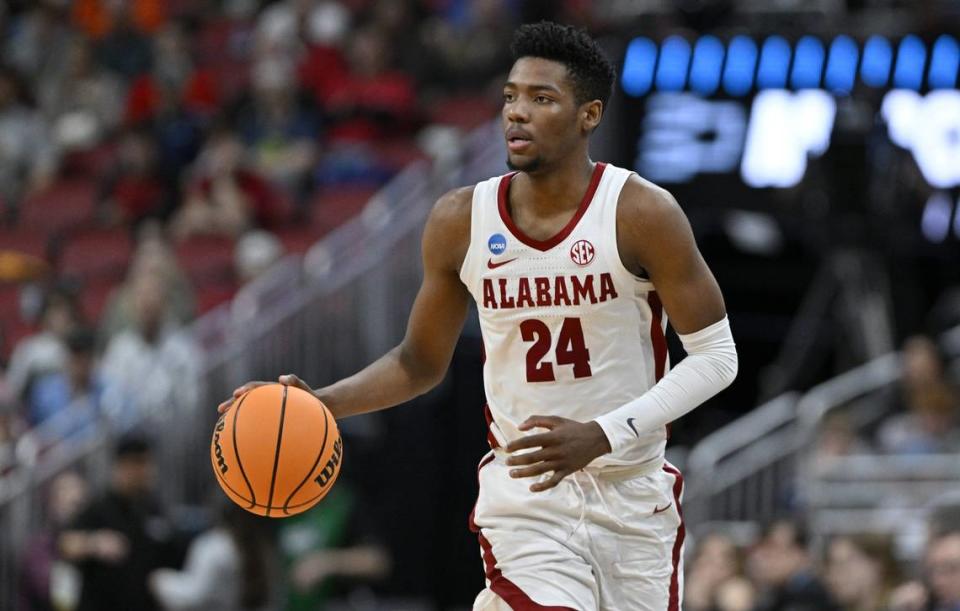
[{"x": 565, "y": 448}]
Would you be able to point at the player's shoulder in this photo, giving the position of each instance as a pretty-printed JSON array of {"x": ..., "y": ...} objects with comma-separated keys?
[
  {"x": 447, "y": 232},
  {"x": 642, "y": 200}
]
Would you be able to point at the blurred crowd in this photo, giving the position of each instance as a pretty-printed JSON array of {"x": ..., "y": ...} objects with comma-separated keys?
[
  {"x": 155, "y": 156},
  {"x": 778, "y": 571}
]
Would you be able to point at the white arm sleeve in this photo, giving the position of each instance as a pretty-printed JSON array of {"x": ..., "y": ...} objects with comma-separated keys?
[{"x": 710, "y": 366}]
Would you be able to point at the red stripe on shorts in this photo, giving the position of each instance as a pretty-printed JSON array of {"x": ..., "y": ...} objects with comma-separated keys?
[
  {"x": 506, "y": 589},
  {"x": 486, "y": 460},
  {"x": 674, "y": 604}
]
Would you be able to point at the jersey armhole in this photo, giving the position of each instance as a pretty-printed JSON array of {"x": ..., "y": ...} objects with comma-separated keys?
[
  {"x": 467, "y": 271},
  {"x": 612, "y": 253}
]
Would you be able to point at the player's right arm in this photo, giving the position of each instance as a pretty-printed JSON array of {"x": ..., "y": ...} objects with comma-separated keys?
[{"x": 421, "y": 359}]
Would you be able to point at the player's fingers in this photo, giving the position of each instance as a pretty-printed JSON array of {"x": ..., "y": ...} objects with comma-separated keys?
[
  {"x": 223, "y": 407},
  {"x": 545, "y": 422},
  {"x": 242, "y": 390},
  {"x": 531, "y": 441},
  {"x": 549, "y": 483},
  {"x": 292, "y": 380},
  {"x": 532, "y": 471},
  {"x": 531, "y": 457}
]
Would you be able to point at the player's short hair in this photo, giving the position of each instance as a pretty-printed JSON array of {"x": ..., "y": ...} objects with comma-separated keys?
[{"x": 589, "y": 67}]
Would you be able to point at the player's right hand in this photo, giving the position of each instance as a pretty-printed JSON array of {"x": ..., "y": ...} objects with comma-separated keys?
[{"x": 287, "y": 379}]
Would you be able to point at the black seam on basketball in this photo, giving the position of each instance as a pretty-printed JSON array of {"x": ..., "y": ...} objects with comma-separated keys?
[
  {"x": 314, "y": 498},
  {"x": 276, "y": 457},
  {"x": 323, "y": 445},
  {"x": 236, "y": 451},
  {"x": 261, "y": 505}
]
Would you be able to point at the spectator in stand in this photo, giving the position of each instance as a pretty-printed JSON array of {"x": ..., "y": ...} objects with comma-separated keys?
[
  {"x": 781, "y": 567},
  {"x": 28, "y": 160},
  {"x": 941, "y": 589},
  {"x": 929, "y": 424},
  {"x": 10, "y": 425},
  {"x": 150, "y": 366},
  {"x": 176, "y": 98},
  {"x": 136, "y": 190},
  {"x": 231, "y": 566},
  {"x": 861, "y": 571},
  {"x": 38, "y": 41},
  {"x": 122, "y": 536},
  {"x": 44, "y": 351},
  {"x": 280, "y": 129},
  {"x": 473, "y": 50},
  {"x": 83, "y": 102},
  {"x": 47, "y": 583},
  {"x": 715, "y": 581},
  {"x": 120, "y": 31},
  {"x": 226, "y": 198},
  {"x": 837, "y": 438},
  {"x": 153, "y": 257},
  {"x": 375, "y": 100},
  {"x": 65, "y": 405},
  {"x": 255, "y": 253}
]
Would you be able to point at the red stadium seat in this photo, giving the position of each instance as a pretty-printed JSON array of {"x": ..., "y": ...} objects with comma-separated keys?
[
  {"x": 94, "y": 297},
  {"x": 25, "y": 241},
  {"x": 64, "y": 204},
  {"x": 463, "y": 111},
  {"x": 211, "y": 295},
  {"x": 397, "y": 154},
  {"x": 332, "y": 207},
  {"x": 97, "y": 253},
  {"x": 206, "y": 259},
  {"x": 298, "y": 239}
]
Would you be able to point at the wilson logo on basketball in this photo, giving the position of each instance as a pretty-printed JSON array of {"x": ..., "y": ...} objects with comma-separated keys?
[
  {"x": 217, "y": 450},
  {"x": 331, "y": 468},
  {"x": 582, "y": 252}
]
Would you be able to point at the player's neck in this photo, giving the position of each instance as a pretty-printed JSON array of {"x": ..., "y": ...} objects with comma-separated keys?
[{"x": 558, "y": 188}]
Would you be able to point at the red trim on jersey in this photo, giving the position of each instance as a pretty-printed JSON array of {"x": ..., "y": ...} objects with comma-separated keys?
[
  {"x": 488, "y": 416},
  {"x": 674, "y": 602},
  {"x": 506, "y": 589},
  {"x": 543, "y": 245},
  {"x": 657, "y": 339}
]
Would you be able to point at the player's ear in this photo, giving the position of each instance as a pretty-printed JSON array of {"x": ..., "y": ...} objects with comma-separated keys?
[{"x": 590, "y": 114}]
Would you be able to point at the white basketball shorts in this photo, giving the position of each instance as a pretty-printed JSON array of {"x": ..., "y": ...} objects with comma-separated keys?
[{"x": 595, "y": 542}]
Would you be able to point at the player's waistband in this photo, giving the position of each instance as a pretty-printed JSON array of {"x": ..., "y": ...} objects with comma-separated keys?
[{"x": 616, "y": 473}]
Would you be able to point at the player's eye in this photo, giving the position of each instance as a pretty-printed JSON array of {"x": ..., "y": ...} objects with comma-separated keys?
[
  {"x": 542, "y": 99},
  {"x": 507, "y": 97}
]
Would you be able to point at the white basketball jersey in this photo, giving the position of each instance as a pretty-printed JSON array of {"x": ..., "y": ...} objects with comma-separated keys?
[{"x": 567, "y": 329}]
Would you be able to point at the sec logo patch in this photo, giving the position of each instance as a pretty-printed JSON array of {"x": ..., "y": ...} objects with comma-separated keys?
[{"x": 582, "y": 252}]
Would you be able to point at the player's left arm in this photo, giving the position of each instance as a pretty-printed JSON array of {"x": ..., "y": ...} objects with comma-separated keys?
[{"x": 654, "y": 239}]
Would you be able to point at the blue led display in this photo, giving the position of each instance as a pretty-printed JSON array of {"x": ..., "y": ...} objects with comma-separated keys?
[
  {"x": 944, "y": 63},
  {"x": 707, "y": 62},
  {"x": 778, "y": 64},
  {"x": 808, "y": 63},
  {"x": 774, "y": 62},
  {"x": 741, "y": 60},
  {"x": 910, "y": 60},
  {"x": 875, "y": 69},
  {"x": 638, "y": 66},
  {"x": 842, "y": 66},
  {"x": 674, "y": 61}
]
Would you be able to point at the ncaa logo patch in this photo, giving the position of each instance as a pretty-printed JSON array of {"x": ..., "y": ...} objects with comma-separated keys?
[
  {"x": 497, "y": 243},
  {"x": 582, "y": 252}
]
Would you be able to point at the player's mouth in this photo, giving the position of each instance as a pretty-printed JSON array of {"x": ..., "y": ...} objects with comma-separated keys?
[{"x": 518, "y": 140}]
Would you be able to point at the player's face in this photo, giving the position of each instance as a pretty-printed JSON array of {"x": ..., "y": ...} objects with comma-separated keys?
[{"x": 540, "y": 114}]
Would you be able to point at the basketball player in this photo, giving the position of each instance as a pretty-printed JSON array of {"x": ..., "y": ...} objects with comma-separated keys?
[{"x": 573, "y": 265}]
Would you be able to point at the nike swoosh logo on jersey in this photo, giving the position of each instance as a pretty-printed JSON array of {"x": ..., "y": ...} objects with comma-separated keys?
[
  {"x": 492, "y": 265},
  {"x": 633, "y": 428},
  {"x": 659, "y": 509}
]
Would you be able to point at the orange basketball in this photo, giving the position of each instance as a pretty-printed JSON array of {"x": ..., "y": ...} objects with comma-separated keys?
[{"x": 277, "y": 451}]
